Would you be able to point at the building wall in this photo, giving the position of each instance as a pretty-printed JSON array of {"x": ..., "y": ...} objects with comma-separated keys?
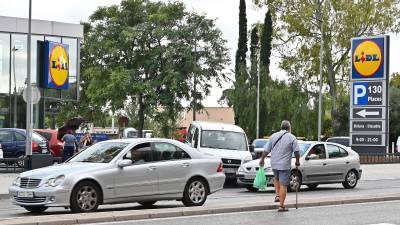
[
  {"x": 212, "y": 114},
  {"x": 13, "y": 68}
]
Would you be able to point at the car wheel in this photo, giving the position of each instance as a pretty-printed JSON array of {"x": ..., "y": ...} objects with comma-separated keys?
[
  {"x": 36, "y": 209},
  {"x": 195, "y": 193},
  {"x": 252, "y": 189},
  {"x": 147, "y": 204},
  {"x": 350, "y": 181},
  {"x": 294, "y": 181},
  {"x": 85, "y": 197},
  {"x": 312, "y": 186}
]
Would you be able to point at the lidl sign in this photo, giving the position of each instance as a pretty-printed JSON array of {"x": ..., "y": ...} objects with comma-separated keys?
[
  {"x": 56, "y": 65},
  {"x": 368, "y": 58}
]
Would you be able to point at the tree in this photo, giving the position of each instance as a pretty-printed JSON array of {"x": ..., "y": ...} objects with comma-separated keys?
[
  {"x": 142, "y": 52},
  {"x": 300, "y": 24}
]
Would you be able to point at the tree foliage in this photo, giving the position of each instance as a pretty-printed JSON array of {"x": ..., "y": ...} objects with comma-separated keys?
[{"x": 143, "y": 52}]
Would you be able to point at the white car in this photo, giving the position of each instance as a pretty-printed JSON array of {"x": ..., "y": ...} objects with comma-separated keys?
[
  {"x": 1, "y": 152},
  {"x": 320, "y": 163},
  {"x": 143, "y": 170},
  {"x": 227, "y": 141}
]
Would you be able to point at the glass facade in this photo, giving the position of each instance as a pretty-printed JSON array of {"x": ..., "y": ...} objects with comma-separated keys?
[{"x": 13, "y": 74}]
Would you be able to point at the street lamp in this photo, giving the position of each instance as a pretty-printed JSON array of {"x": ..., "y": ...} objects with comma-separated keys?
[
  {"x": 14, "y": 49},
  {"x": 258, "y": 90}
]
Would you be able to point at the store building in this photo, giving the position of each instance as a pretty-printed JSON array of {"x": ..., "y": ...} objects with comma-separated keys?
[{"x": 13, "y": 69}]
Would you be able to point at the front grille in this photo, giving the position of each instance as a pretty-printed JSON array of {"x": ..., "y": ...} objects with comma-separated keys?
[
  {"x": 231, "y": 166},
  {"x": 29, "y": 182},
  {"x": 30, "y": 200},
  {"x": 249, "y": 169},
  {"x": 231, "y": 161}
]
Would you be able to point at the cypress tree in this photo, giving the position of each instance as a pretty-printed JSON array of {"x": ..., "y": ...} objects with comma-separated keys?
[
  {"x": 254, "y": 40},
  {"x": 240, "y": 65},
  {"x": 265, "y": 54}
]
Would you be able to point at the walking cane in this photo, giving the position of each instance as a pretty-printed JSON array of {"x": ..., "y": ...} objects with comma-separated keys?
[{"x": 297, "y": 186}]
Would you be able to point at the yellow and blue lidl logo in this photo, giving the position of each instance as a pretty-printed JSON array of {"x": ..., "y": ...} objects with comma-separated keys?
[
  {"x": 57, "y": 65},
  {"x": 367, "y": 58}
]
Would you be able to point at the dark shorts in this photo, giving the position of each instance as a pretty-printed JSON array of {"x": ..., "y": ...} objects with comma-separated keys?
[
  {"x": 282, "y": 176},
  {"x": 68, "y": 151}
]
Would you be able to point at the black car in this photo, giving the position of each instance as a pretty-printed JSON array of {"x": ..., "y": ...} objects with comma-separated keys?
[
  {"x": 340, "y": 140},
  {"x": 13, "y": 141}
]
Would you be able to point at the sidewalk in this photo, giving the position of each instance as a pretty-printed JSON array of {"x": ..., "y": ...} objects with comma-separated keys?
[{"x": 111, "y": 216}]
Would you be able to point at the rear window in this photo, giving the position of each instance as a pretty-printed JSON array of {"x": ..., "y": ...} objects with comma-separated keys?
[
  {"x": 342, "y": 141},
  {"x": 36, "y": 137},
  {"x": 45, "y": 134}
]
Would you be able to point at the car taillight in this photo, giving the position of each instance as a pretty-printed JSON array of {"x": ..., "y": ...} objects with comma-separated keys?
[
  {"x": 220, "y": 169},
  {"x": 35, "y": 146}
]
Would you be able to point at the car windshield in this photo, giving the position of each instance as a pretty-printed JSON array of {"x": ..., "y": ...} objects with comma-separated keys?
[
  {"x": 226, "y": 140},
  {"x": 102, "y": 152},
  {"x": 45, "y": 134},
  {"x": 36, "y": 137},
  {"x": 260, "y": 143}
]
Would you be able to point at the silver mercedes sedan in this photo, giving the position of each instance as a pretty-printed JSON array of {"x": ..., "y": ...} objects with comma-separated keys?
[
  {"x": 121, "y": 171},
  {"x": 320, "y": 163}
]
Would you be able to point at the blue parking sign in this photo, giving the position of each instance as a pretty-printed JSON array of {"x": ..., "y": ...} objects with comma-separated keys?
[
  {"x": 360, "y": 94},
  {"x": 368, "y": 93}
]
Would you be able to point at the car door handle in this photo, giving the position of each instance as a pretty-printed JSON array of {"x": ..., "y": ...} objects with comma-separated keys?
[
  {"x": 347, "y": 162},
  {"x": 152, "y": 168},
  {"x": 324, "y": 164},
  {"x": 185, "y": 164}
]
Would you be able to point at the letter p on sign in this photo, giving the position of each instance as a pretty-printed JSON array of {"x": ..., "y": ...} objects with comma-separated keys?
[{"x": 360, "y": 94}]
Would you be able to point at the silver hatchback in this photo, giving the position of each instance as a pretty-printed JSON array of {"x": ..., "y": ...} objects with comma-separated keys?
[
  {"x": 121, "y": 171},
  {"x": 320, "y": 163}
]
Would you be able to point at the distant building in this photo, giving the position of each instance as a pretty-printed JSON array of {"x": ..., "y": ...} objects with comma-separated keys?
[{"x": 211, "y": 114}]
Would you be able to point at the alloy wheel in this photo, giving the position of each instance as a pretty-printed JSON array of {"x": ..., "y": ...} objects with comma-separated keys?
[
  {"x": 197, "y": 192},
  {"x": 87, "y": 198}
]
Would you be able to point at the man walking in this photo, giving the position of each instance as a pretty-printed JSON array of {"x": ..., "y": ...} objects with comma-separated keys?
[
  {"x": 69, "y": 145},
  {"x": 282, "y": 145}
]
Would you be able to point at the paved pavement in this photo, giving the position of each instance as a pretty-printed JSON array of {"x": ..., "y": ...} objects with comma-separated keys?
[
  {"x": 354, "y": 214},
  {"x": 379, "y": 182}
]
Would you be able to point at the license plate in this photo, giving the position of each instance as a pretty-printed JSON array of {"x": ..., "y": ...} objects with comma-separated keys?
[
  {"x": 270, "y": 180},
  {"x": 25, "y": 194},
  {"x": 230, "y": 170},
  {"x": 250, "y": 176}
]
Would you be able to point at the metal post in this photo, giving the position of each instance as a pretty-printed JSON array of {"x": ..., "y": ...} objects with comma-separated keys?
[
  {"x": 194, "y": 80},
  {"x": 258, "y": 99},
  {"x": 28, "y": 149},
  {"x": 320, "y": 76}
]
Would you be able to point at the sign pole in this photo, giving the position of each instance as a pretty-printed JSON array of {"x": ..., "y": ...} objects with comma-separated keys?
[{"x": 28, "y": 145}]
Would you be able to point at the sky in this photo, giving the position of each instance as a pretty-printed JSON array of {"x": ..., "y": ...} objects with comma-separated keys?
[{"x": 226, "y": 13}]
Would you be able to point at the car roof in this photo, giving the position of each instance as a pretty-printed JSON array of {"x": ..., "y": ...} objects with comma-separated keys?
[
  {"x": 46, "y": 130},
  {"x": 339, "y": 137},
  {"x": 218, "y": 126}
]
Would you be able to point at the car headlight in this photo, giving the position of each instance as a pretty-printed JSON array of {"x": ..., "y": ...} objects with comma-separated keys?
[
  {"x": 17, "y": 182},
  {"x": 267, "y": 169},
  {"x": 54, "y": 182},
  {"x": 247, "y": 159}
]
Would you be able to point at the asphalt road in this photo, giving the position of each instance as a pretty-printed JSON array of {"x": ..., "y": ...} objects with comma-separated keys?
[
  {"x": 354, "y": 214},
  {"x": 232, "y": 195}
]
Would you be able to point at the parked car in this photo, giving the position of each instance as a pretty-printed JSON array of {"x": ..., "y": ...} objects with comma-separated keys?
[
  {"x": 229, "y": 142},
  {"x": 121, "y": 171},
  {"x": 320, "y": 163},
  {"x": 1, "y": 152},
  {"x": 13, "y": 142},
  {"x": 56, "y": 145},
  {"x": 340, "y": 140},
  {"x": 258, "y": 146}
]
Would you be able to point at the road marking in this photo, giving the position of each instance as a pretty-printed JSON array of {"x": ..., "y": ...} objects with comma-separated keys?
[{"x": 382, "y": 224}]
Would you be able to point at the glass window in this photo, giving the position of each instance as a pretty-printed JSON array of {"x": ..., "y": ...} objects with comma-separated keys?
[
  {"x": 19, "y": 137},
  {"x": 336, "y": 152},
  {"x": 226, "y": 140},
  {"x": 34, "y": 75},
  {"x": 4, "y": 63},
  {"x": 102, "y": 152},
  {"x": 19, "y": 62},
  {"x": 140, "y": 154},
  {"x": 44, "y": 134},
  {"x": 6, "y": 136},
  {"x": 71, "y": 93},
  {"x": 317, "y": 152},
  {"x": 166, "y": 151},
  {"x": 52, "y": 93},
  {"x": 5, "y": 119},
  {"x": 260, "y": 143}
]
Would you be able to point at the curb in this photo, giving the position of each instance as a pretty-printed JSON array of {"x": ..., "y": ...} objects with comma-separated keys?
[
  {"x": 113, "y": 216},
  {"x": 4, "y": 196}
]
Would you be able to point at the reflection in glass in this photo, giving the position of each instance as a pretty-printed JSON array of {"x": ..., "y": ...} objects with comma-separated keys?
[
  {"x": 71, "y": 93},
  {"x": 52, "y": 93},
  {"x": 4, "y": 63}
]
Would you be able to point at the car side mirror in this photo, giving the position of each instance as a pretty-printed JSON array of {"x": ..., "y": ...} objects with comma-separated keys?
[
  {"x": 124, "y": 163},
  {"x": 251, "y": 148}
]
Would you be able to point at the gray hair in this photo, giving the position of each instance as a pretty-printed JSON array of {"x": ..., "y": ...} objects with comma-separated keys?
[{"x": 285, "y": 125}]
